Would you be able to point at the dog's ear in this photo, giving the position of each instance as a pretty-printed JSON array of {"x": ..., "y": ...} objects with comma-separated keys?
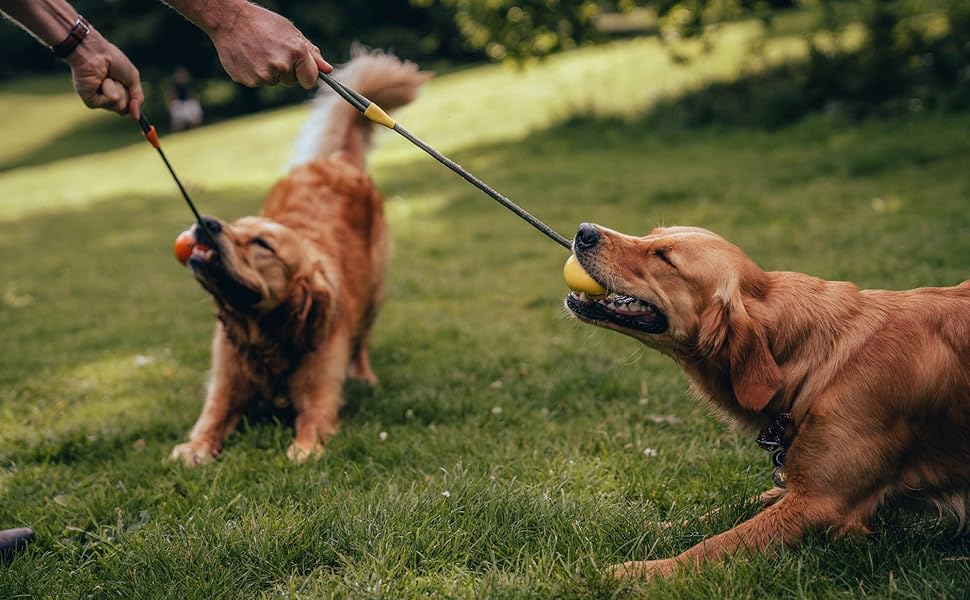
[
  {"x": 728, "y": 334},
  {"x": 755, "y": 375},
  {"x": 310, "y": 304},
  {"x": 713, "y": 332}
]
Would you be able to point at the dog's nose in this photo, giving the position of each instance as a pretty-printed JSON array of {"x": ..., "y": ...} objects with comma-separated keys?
[
  {"x": 211, "y": 226},
  {"x": 587, "y": 236}
]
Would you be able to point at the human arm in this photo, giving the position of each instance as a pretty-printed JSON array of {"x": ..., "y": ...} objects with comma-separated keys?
[
  {"x": 103, "y": 76},
  {"x": 256, "y": 46}
]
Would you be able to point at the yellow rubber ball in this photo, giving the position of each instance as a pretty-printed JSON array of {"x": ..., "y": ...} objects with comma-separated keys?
[{"x": 579, "y": 280}]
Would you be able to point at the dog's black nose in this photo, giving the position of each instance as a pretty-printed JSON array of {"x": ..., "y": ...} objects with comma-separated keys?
[
  {"x": 212, "y": 225},
  {"x": 587, "y": 236}
]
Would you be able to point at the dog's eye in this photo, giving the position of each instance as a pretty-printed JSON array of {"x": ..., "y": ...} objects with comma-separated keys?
[
  {"x": 261, "y": 242},
  {"x": 662, "y": 255}
]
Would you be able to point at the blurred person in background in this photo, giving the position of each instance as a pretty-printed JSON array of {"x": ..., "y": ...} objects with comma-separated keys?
[{"x": 184, "y": 109}]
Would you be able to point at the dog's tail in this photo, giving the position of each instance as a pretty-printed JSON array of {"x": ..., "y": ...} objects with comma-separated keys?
[{"x": 336, "y": 129}]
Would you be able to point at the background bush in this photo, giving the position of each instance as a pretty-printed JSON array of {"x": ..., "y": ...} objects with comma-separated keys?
[{"x": 912, "y": 55}]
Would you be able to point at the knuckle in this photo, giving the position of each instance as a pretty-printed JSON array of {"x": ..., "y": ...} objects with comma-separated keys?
[{"x": 260, "y": 75}]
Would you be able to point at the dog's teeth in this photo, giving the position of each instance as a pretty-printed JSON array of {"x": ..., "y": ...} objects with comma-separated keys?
[{"x": 643, "y": 307}]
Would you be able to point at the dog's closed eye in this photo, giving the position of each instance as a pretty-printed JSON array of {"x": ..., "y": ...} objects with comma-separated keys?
[
  {"x": 661, "y": 253},
  {"x": 263, "y": 243}
]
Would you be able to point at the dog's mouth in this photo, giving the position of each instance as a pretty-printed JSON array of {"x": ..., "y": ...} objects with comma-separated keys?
[
  {"x": 211, "y": 271},
  {"x": 618, "y": 309}
]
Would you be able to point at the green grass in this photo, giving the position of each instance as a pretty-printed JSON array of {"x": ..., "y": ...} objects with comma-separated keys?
[{"x": 534, "y": 425}]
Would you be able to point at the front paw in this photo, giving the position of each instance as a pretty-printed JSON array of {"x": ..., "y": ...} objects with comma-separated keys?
[
  {"x": 364, "y": 374},
  {"x": 299, "y": 453},
  {"x": 643, "y": 569},
  {"x": 369, "y": 378},
  {"x": 193, "y": 454}
]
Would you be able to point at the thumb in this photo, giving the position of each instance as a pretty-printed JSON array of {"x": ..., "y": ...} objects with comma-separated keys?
[
  {"x": 322, "y": 64},
  {"x": 306, "y": 71},
  {"x": 113, "y": 96}
]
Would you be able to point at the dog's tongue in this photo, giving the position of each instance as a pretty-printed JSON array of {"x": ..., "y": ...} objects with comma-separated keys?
[
  {"x": 579, "y": 280},
  {"x": 185, "y": 245}
]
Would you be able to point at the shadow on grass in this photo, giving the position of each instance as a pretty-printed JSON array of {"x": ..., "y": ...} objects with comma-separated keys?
[
  {"x": 87, "y": 292},
  {"x": 88, "y": 137}
]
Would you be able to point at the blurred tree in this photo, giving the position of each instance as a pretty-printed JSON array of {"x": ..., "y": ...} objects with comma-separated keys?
[
  {"x": 915, "y": 54},
  {"x": 519, "y": 29},
  {"x": 902, "y": 57},
  {"x": 158, "y": 39}
]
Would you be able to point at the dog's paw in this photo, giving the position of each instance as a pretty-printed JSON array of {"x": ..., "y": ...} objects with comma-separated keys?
[
  {"x": 365, "y": 374},
  {"x": 301, "y": 454},
  {"x": 193, "y": 454},
  {"x": 643, "y": 569},
  {"x": 368, "y": 378}
]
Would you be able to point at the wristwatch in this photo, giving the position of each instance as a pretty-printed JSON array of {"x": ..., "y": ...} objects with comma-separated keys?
[{"x": 74, "y": 37}]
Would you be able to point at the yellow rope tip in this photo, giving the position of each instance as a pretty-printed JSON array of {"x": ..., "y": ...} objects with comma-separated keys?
[{"x": 376, "y": 114}]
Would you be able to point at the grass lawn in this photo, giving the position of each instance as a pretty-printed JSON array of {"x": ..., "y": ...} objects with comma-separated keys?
[{"x": 503, "y": 454}]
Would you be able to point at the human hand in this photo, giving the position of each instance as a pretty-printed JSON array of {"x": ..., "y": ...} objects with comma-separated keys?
[
  {"x": 258, "y": 47},
  {"x": 105, "y": 78}
]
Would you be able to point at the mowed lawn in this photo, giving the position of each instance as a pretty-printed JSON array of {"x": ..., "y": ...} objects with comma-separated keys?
[{"x": 508, "y": 450}]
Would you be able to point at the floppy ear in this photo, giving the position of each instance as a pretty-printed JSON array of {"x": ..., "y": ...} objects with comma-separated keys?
[
  {"x": 755, "y": 375},
  {"x": 713, "y": 332},
  {"x": 310, "y": 305}
]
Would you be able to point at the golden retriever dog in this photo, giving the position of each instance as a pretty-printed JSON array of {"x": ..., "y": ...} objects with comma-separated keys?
[
  {"x": 864, "y": 394},
  {"x": 297, "y": 288}
]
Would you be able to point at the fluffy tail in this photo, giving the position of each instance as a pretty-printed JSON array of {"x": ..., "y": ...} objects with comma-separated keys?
[{"x": 336, "y": 129}]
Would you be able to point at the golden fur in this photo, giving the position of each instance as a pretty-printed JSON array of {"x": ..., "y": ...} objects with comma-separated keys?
[
  {"x": 298, "y": 288},
  {"x": 878, "y": 382}
]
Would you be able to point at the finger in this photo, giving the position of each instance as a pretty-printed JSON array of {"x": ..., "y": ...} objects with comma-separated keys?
[
  {"x": 134, "y": 108},
  {"x": 122, "y": 71},
  {"x": 306, "y": 71},
  {"x": 285, "y": 76},
  {"x": 263, "y": 76},
  {"x": 115, "y": 96},
  {"x": 136, "y": 97},
  {"x": 322, "y": 64}
]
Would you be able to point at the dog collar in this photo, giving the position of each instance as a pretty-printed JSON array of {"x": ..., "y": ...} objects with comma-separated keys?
[{"x": 775, "y": 438}]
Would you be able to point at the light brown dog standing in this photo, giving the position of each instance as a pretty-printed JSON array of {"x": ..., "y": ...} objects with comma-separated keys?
[
  {"x": 298, "y": 288},
  {"x": 877, "y": 382}
]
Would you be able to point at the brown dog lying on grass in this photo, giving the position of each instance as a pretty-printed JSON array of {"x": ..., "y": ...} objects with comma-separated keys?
[
  {"x": 298, "y": 288},
  {"x": 867, "y": 392}
]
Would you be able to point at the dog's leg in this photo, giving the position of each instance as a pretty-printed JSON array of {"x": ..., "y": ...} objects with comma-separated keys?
[
  {"x": 360, "y": 368},
  {"x": 770, "y": 497},
  {"x": 765, "y": 499},
  {"x": 827, "y": 490},
  {"x": 316, "y": 389},
  {"x": 224, "y": 403},
  {"x": 782, "y": 523}
]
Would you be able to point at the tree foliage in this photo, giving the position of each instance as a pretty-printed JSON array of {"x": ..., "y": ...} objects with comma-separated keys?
[
  {"x": 519, "y": 29},
  {"x": 914, "y": 50}
]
